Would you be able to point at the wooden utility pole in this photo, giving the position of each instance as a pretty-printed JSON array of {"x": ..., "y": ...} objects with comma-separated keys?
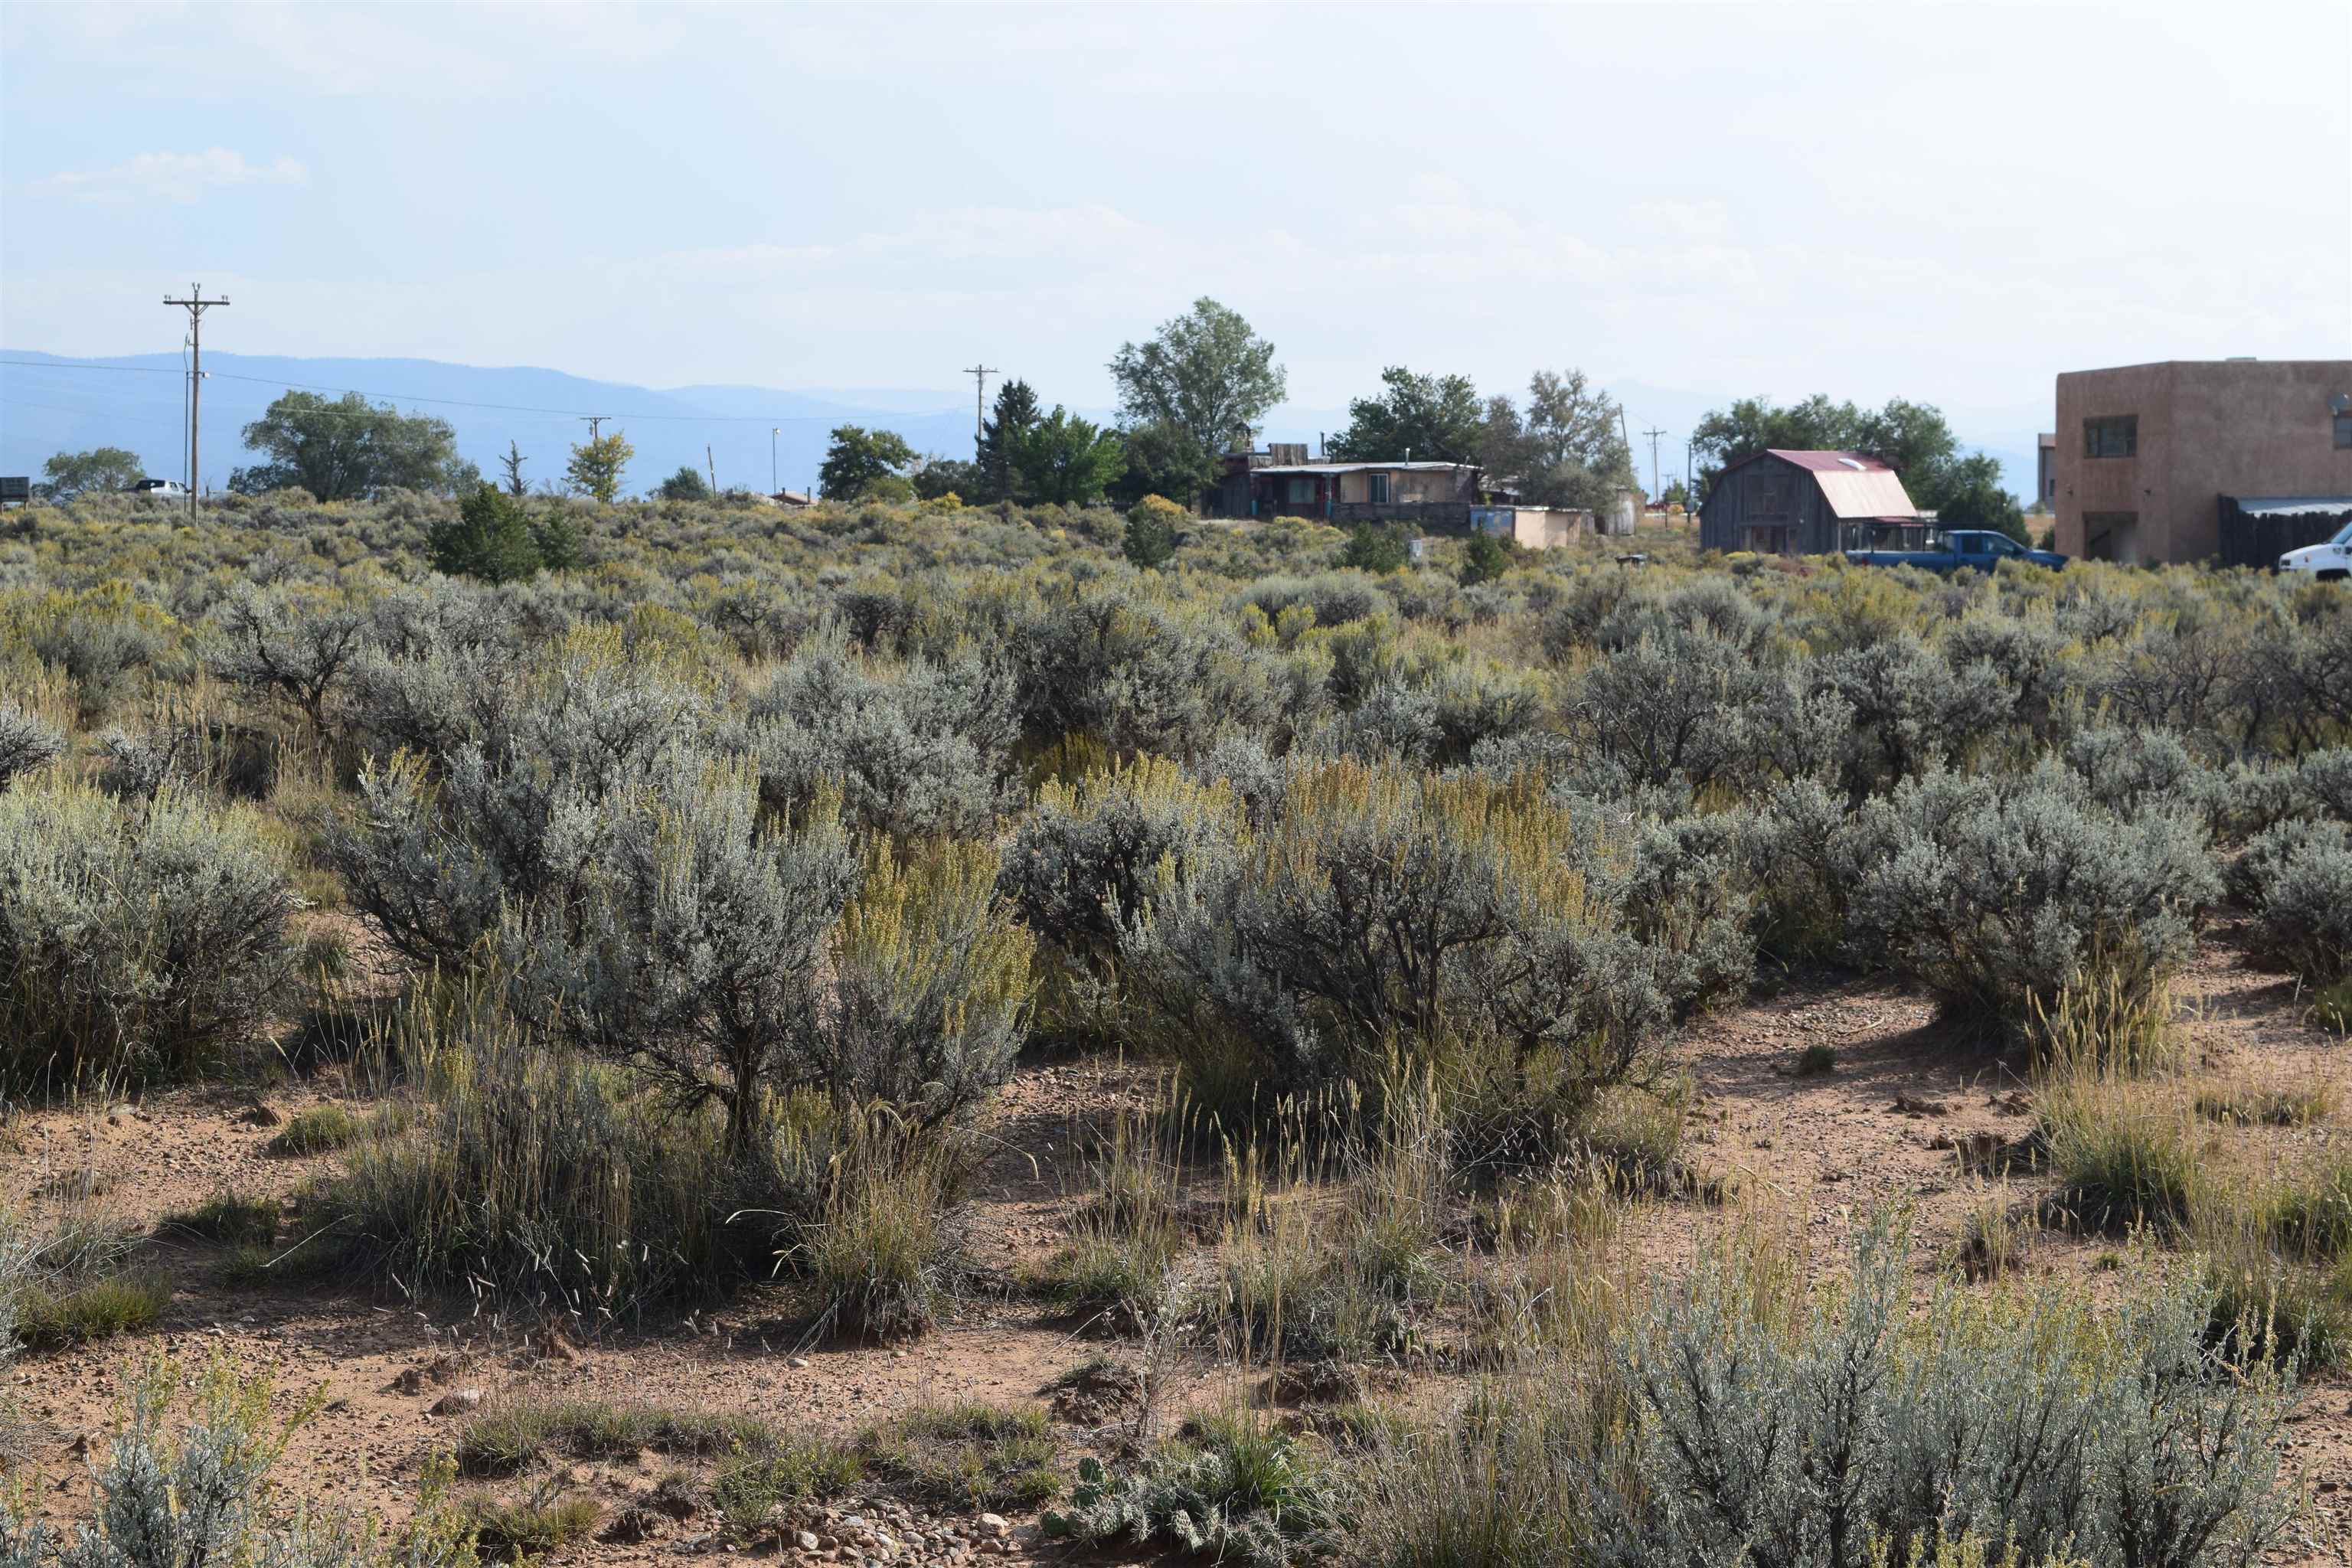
[
  {"x": 707, "y": 457},
  {"x": 980, "y": 374},
  {"x": 196, "y": 305},
  {"x": 1654, "y": 435}
]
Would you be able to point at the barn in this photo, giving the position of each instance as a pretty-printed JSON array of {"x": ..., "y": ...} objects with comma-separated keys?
[{"x": 1784, "y": 503}]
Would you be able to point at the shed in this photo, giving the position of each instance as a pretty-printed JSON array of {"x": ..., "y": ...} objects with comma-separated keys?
[{"x": 1788, "y": 502}]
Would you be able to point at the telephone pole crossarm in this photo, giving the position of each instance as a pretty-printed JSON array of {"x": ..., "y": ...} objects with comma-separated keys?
[{"x": 195, "y": 304}]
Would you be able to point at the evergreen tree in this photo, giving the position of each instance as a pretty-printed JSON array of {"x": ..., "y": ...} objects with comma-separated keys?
[
  {"x": 998, "y": 451},
  {"x": 490, "y": 538}
]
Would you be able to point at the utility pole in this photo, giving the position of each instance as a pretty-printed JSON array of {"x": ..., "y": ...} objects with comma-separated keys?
[
  {"x": 980, "y": 374},
  {"x": 592, "y": 421},
  {"x": 1653, "y": 435},
  {"x": 196, "y": 305},
  {"x": 713, "y": 462},
  {"x": 774, "y": 430}
]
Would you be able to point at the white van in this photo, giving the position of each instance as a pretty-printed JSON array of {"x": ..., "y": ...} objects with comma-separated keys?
[
  {"x": 2330, "y": 563},
  {"x": 159, "y": 487}
]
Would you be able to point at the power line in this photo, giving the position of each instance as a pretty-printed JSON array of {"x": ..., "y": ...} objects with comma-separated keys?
[
  {"x": 1653, "y": 435},
  {"x": 196, "y": 305}
]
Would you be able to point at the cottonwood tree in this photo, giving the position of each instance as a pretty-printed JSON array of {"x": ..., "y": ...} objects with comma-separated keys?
[
  {"x": 348, "y": 448},
  {"x": 860, "y": 459},
  {"x": 1067, "y": 460},
  {"x": 1435, "y": 418},
  {"x": 1565, "y": 448},
  {"x": 596, "y": 466},
  {"x": 1204, "y": 378},
  {"x": 99, "y": 468}
]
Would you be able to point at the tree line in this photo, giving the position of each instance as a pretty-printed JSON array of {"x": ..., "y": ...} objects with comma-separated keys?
[{"x": 1193, "y": 391}]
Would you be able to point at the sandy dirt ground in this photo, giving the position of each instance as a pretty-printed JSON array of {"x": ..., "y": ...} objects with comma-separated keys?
[{"x": 1883, "y": 1128}]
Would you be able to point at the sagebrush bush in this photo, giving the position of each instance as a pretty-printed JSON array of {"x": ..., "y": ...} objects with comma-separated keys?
[
  {"x": 137, "y": 940},
  {"x": 1380, "y": 910},
  {"x": 26, "y": 742},
  {"x": 1812, "y": 1433},
  {"x": 1997, "y": 899},
  {"x": 2297, "y": 880}
]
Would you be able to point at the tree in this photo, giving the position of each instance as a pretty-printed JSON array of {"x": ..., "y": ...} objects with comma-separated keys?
[
  {"x": 1205, "y": 376},
  {"x": 1435, "y": 418},
  {"x": 490, "y": 538},
  {"x": 1150, "y": 538},
  {"x": 859, "y": 459},
  {"x": 687, "y": 484},
  {"x": 347, "y": 448},
  {"x": 1971, "y": 496},
  {"x": 1067, "y": 460},
  {"x": 1678, "y": 494},
  {"x": 1379, "y": 550},
  {"x": 940, "y": 477},
  {"x": 71, "y": 474},
  {"x": 1487, "y": 556},
  {"x": 512, "y": 463},
  {"x": 1566, "y": 448},
  {"x": 596, "y": 466},
  {"x": 997, "y": 451},
  {"x": 1160, "y": 461}
]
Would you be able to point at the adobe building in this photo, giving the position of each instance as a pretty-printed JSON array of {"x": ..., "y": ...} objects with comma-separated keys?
[{"x": 2199, "y": 459}]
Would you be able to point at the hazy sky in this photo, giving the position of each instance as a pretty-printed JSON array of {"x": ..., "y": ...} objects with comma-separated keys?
[{"x": 1950, "y": 202}]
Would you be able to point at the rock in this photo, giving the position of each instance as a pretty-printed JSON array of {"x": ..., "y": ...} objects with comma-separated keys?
[
  {"x": 805, "y": 1541},
  {"x": 457, "y": 1402},
  {"x": 259, "y": 1116},
  {"x": 797, "y": 1363},
  {"x": 994, "y": 1527}
]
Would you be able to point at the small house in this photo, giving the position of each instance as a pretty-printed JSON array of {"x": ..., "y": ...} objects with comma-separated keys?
[
  {"x": 1786, "y": 502},
  {"x": 1282, "y": 482},
  {"x": 1532, "y": 527}
]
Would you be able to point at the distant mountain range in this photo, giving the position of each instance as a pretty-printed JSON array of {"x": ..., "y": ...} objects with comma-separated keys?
[{"x": 50, "y": 404}]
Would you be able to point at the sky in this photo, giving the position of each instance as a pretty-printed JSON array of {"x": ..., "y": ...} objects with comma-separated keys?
[{"x": 1949, "y": 203}]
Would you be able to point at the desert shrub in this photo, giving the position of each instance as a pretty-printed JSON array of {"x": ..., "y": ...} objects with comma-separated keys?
[
  {"x": 1909, "y": 711},
  {"x": 1152, "y": 522},
  {"x": 26, "y": 742},
  {"x": 1138, "y": 676},
  {"x": 101, "y": 638},
  {"x": 1997, "y": 899},
  {"x": 2298, "y": 881},
  {"x": 927, "y": 751},
  {"x": 135, "y": 940},
  {"x": 490, "y": 539},
  {"x": 750, "y": 1485},
  {"x": 1330, "y": 599},
  {"x": 1687, "y": 901},
  {"x": 1084, "y": 861},
  {"x": 526, "y": 1529},
  {"x": 1230, "y": 1486},
  {"x": 1686, "y": 709},
  {"x": 498, "y": 799},
  {"x": 2130, "y": 770},
  {"x": 1384, "y": 910},
  {"x": 2108, "y": 1436},
  {"x": 297, "y": 648},
  {"x": 228, "y": 1217},
  {"x": 1803, "y": 869},
  {"x": 1395, "y": 721}
]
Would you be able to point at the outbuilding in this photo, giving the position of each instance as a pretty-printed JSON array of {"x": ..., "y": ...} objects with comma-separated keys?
[{"x": 1786, "y": 502}]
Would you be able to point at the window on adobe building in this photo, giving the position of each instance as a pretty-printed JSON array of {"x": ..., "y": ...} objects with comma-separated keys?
[
  {"x": 2344, "y": 429},
  {"x": 2116, "y": 436}
]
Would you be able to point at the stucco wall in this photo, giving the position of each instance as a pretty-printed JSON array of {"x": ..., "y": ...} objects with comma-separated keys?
[{"x": 2207, "y": 428}]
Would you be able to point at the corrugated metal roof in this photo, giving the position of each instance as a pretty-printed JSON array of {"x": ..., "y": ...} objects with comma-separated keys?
[
  {"x": 2293, "y": 506},
  {"x": 1350, "y": 468},
  {"x": 1830, "y": 462}
]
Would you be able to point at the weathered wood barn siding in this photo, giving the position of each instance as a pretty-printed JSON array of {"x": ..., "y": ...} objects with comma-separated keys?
[{"x": 1766, "y": 492}]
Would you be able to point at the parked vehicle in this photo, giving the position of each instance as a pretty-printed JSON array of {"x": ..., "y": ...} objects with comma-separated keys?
[
  {"x": 1948, "y": 550},
  {"x": 159, "y": 487},
  {"x": 2330, "y": 563}
]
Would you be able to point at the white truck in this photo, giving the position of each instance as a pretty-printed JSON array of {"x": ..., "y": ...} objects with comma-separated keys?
[{"x": 2330, "y": 563}]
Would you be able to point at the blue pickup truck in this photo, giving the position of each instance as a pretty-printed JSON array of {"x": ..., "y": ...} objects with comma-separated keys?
[{"x": 1952, "y": 549}]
